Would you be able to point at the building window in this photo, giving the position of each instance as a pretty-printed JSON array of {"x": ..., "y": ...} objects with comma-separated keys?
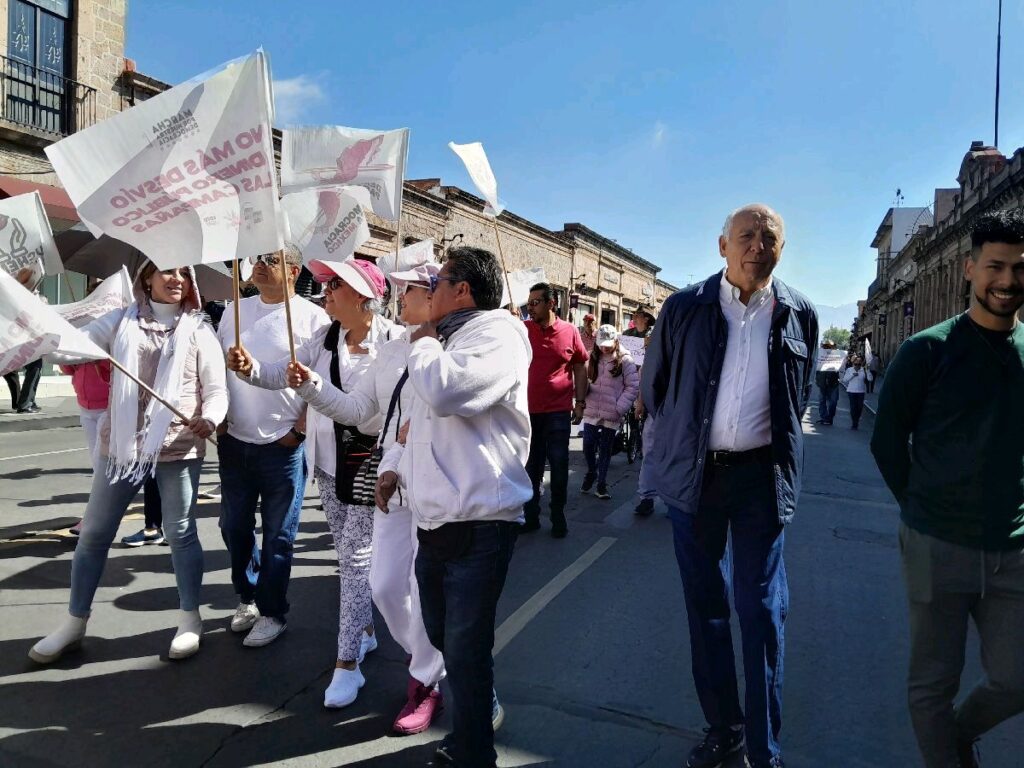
[{"x": 36, "y": 88}]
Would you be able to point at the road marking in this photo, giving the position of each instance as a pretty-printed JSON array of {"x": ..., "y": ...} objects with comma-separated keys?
[
  {"x": 528, "y": 611},
  {"x": 45, "y": 453}
]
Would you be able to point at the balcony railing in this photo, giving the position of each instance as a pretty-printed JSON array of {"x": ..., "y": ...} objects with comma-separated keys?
[{"x": 45, "y": 101}]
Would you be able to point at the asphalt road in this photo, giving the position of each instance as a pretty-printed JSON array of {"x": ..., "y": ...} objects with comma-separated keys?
[{"x": 592, "y": 663}]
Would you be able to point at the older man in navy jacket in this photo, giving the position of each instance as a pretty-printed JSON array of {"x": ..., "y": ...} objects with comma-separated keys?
[{"x": 728, "y": 374}]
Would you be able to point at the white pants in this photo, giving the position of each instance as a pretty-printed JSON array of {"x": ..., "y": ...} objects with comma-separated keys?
[
  {"x": 396, "y": 592},
  {"x": 90, "y": 423}
]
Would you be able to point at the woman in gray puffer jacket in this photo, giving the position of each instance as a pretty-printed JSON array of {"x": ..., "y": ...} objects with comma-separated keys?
[{"x": 614, "y": 385}]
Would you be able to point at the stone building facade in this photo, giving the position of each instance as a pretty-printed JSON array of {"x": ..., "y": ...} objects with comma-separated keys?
[{"x": 923, "y": 282}]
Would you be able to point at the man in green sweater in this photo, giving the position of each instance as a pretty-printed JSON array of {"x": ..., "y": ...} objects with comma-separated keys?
[{"x": 949, "y": 441}]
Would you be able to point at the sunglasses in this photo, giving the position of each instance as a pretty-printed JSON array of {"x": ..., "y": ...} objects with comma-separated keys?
[
  {"x": 334, "y": 284},
  {"x": 435, "y": 280},
  {"x": 270, "y": 259},
  {"x": 535, "y": 302}
]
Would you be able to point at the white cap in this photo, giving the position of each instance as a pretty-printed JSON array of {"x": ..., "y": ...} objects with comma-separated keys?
[
  {"x": 607, "y": 336},
  {"x": 418, "y": 274}
]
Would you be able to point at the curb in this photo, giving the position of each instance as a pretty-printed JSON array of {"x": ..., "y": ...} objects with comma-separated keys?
[{"x": 33, "y": 423}]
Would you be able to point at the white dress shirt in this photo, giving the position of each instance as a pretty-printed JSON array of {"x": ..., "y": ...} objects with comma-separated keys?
[{"x": 742, "y": 419}]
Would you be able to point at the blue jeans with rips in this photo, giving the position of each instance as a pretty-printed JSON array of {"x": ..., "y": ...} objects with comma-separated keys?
[
  {"x": 739, "y": 499},
  {"x": 274, "y": 476}
]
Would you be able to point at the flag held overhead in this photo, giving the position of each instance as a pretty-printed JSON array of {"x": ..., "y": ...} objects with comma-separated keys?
[
  {"x": 479, "y": 169},
  {"x": 187, "y": 177},
  {"x": 334, "y": 156}
]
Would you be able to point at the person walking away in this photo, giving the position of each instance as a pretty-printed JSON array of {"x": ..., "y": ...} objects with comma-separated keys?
[
  {"x": 614, "y": 383},
  {"x": 471, "y": 399},
  {"x": 856, "y": 382},
  {"x": 949, "y": 441},
  {"x": 558, "y": 371},
  {"x": 728, "y": 373},
  {"x": 164, "y": 339},
  {"x": 260, "y": 450},
  {"x": 826, "y": 378}
]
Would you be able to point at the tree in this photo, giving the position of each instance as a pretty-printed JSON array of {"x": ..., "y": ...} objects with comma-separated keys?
[{"x": 839, "y": 336}]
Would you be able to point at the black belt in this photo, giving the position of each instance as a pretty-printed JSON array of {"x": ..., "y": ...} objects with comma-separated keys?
[{"x": 732, "y": 458}]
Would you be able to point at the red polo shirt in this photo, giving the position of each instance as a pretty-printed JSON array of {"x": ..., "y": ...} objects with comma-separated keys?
[{"x": 556, "y": 349}]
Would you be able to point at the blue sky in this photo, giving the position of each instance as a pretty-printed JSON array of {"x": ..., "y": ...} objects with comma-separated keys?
[{"x": 646, "y": 121}]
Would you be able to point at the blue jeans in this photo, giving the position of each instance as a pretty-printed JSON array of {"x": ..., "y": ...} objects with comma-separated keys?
[
  {"x": 741, "y": 498},
  {"x": 549, "y": 443},
  {"x": 646, "y": 484},
  {"x": 274, "y": 476},
  {"x": 178, "y": 482},
  {"x": 597, "y": 450},
  {"x": 461, "y": 569},
  {"x": 828, "y": 399}
]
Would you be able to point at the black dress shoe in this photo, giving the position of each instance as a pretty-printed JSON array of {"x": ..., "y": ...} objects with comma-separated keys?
[
  {"x": 717, "y": 745},
  {"x": 530, "y": 526}
]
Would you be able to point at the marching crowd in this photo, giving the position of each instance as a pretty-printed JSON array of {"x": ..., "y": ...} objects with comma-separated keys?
[{"x": 428, "y": 438}]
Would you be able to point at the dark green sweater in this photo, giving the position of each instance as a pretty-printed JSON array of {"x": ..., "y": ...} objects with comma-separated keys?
[{"x": 957, "y": 392}]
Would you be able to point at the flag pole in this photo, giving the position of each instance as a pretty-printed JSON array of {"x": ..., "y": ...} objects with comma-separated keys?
[
  {"x": 67, "y": 283},
  {"x": 152, "y": 393},
  {"x": 398, "y": 229},
  {"x": 236, "y": 287},
  {"x": 504, "y": 268},
  {"x": 287, "y": 305}
]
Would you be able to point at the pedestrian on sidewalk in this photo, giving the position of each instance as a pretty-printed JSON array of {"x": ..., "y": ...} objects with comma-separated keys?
[
  {"x": 855, "y": 379},
  {"x": 614, "y": 383},
  {"x": 826, "y": 378},
  {"x": 346, "y": 354},
  {"x": 463, "y": 469},
  {"x": 953, "y": 390},
  {"x": 588, "y": 333},
  {"x": 383, "y": 391},
  {"x": 874, "y": 369},
  {"x": 557, "y": 372},
  {"x": 260, "y": 450},
  {"x": 728, "y": 372},
  {"x": 164, "y": 339}
]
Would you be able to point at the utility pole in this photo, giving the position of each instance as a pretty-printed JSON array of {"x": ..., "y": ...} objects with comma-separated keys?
[{"x": 999, "y": 48}]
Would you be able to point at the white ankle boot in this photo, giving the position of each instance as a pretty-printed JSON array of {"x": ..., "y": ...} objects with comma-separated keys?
[
  {"x": 186, "y": 639},
  {"x": 67, "y": 637}
]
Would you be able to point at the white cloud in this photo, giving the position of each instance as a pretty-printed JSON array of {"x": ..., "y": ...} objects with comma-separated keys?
[
  {"x": 295, "y": 96},
  {"x": 659, "y": 134}
]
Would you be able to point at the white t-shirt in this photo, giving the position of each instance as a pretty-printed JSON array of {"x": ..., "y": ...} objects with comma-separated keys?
[{"x": 255, "y": 415}]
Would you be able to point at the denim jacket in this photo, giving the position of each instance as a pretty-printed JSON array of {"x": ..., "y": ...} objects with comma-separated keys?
[{"x": 679, "y": 384}]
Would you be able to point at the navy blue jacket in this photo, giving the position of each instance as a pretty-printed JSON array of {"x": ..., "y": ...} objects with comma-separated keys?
[{"x": 679, "y": 384}]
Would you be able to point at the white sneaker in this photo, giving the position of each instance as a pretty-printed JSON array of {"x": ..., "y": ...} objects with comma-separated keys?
[
  {"x": 367, "y": 645},
  {"x": 245, "y": 616},
  {"x": 67, "y": 637},
  {"x": 265, "y": 631},
  {"x": 344, "y": 688},
  {"x": 186, "y": 639}
]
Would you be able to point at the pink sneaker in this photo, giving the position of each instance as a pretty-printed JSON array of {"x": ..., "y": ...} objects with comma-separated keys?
[{"x": 423, "y": 706}]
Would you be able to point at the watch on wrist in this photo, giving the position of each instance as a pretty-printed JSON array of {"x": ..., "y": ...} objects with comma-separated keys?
[{"x": 300, "y": 436}]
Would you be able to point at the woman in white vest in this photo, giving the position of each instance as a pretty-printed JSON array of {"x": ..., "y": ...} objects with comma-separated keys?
[{"x": 344, "y": 353}]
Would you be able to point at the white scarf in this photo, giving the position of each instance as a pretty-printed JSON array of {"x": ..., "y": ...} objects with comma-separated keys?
[{"x": 127, "y": 460}]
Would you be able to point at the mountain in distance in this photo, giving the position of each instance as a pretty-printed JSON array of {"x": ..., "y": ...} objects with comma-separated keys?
[{"x": 839, "y": 317}]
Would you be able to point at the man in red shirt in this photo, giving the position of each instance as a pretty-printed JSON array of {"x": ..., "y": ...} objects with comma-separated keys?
[{"x": 557, "y": 374}]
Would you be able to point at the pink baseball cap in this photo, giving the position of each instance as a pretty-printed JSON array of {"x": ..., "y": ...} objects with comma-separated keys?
[{"x": 364, "y": 276}]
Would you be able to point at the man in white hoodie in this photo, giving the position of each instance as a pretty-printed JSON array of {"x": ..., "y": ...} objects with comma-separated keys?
[{"x": 463, "y": 466}]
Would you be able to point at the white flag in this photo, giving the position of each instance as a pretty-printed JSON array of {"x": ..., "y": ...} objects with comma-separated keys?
[
  {"x": 328, "y": 223},
  {"x": 520, "y": 283},
  {"x": 26, "y": 239},
  {"x": 112, "y": 294},
  {"x": 332, "y": 156},
  {"x": 409, "y": 257},
  {"x": 475, "y": 160},
  {"x": 187, "y": 177},
  {"x": 30, "y": 329},
  {"x": 868, "y": 354}
]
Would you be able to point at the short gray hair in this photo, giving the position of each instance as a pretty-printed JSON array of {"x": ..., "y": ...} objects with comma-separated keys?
[
  {"x": 753, "y": 207},
  {"x": 374, "y": 305},
  {"x": 292, "y": 254}
]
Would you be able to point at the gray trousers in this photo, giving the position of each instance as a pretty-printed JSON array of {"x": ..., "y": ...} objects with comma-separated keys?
[{"x": 946, "y": 585}]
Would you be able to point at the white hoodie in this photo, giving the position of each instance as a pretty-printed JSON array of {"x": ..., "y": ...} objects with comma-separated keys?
[{"x": 469, "y": 435}]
